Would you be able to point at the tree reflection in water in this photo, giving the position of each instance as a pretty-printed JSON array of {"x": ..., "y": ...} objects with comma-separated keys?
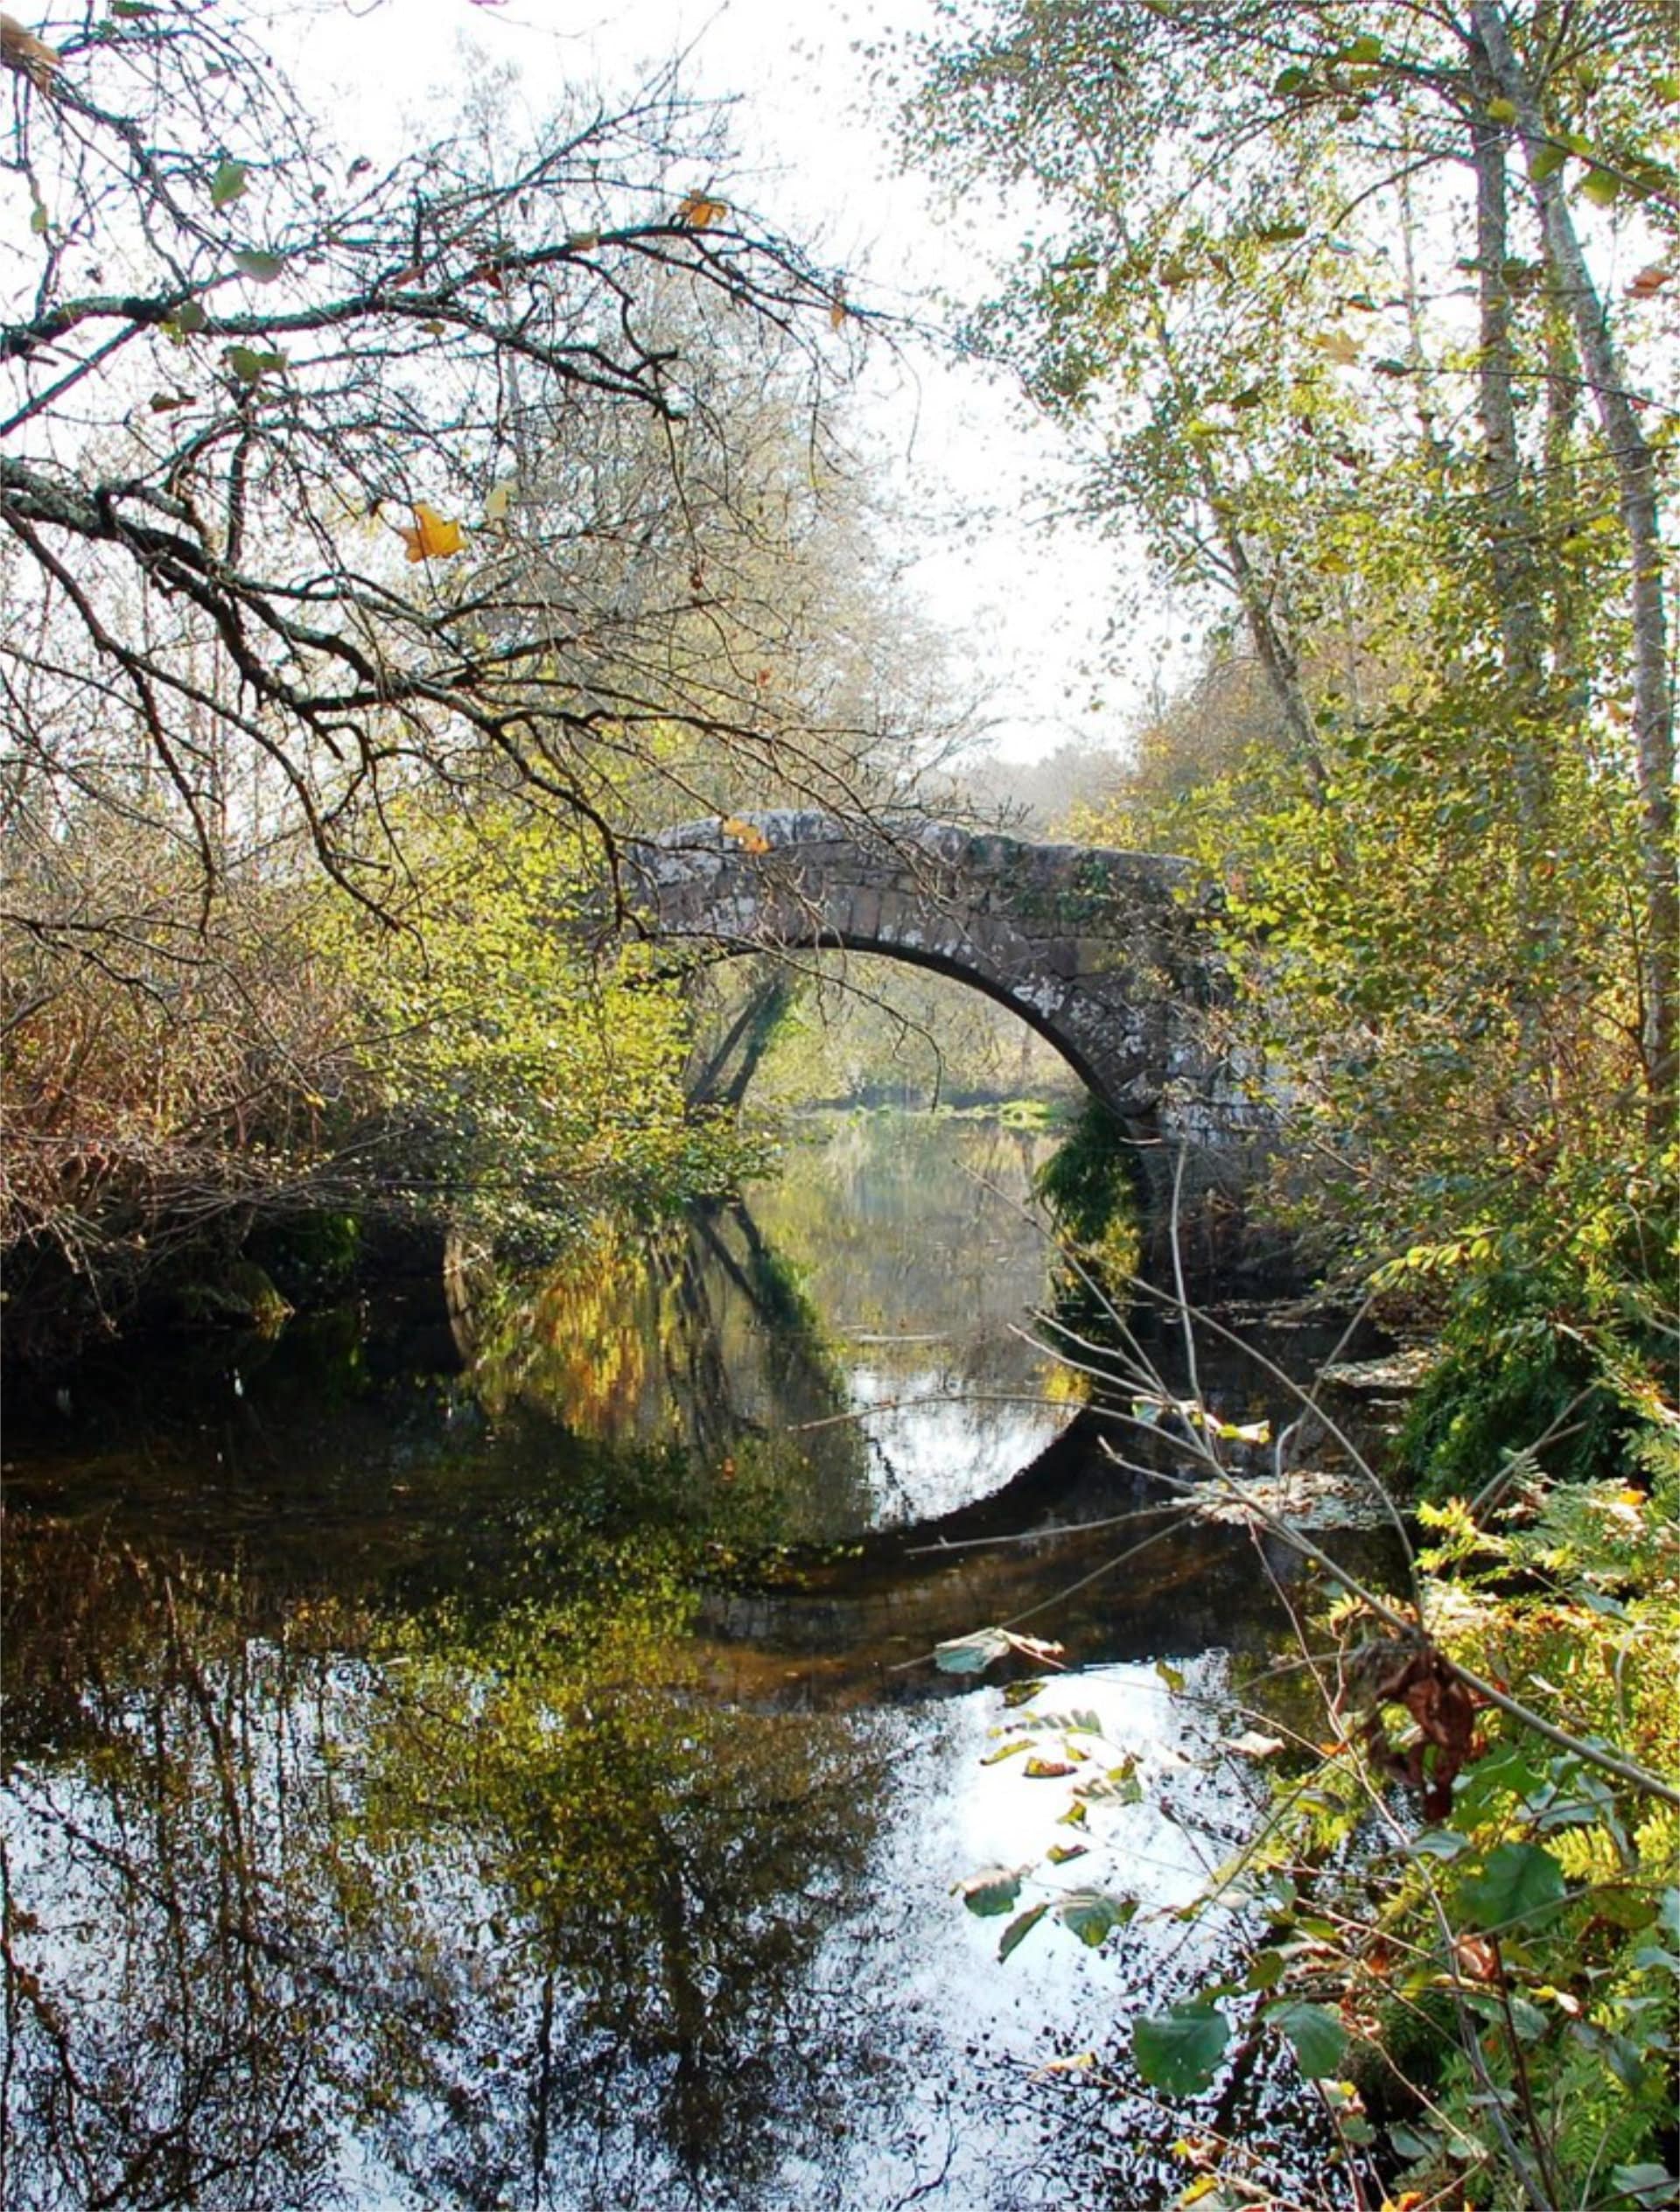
[{"x": 448, "y": 1914}]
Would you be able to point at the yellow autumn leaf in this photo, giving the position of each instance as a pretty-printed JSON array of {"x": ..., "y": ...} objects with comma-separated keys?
[
  {"x": 746, "y": 834},
  {"x": 1338, "y": 345},
  {"x": 431, "y": 538},
  {"x": 699, "y": 211}
]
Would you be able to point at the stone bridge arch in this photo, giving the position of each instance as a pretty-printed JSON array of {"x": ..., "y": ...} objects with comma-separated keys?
[{"x": 1099, "y": 951}]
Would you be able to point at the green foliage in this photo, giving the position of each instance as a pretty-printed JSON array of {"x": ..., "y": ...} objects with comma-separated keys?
[
  {"x": 1090, "y": 1183},
  {"x": 1559, "y": 1329},
  {"x": 535, "y": 1082},
  {"x": 1485, "y": 1997}
]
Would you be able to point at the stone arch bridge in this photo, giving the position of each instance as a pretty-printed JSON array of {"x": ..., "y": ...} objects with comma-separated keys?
[{"x": 1103, "y": 952}]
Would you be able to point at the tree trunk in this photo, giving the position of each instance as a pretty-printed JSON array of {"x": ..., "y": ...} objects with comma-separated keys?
[{"x": 1636, "y": 481}]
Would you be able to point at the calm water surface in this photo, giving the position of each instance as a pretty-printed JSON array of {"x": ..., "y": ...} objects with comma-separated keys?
[{"x": 390, "y": 1820}]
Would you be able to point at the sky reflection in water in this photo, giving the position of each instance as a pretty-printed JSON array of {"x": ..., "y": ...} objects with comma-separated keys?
[{"x": 379, "y": 1832}]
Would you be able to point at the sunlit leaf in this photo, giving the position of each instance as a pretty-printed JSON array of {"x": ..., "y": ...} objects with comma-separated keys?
[
  {"x": 1253, "y": 1745},
  {"x": 1079, "y": 2062},
  {"x": 1502, "y": 110},
  {"x": 1600, "y": 187},
  {"x": 1180, "y": 2051},
  {"x": 1519, "y": 1881},
  {"x": 751, "y": 838},
  {"x": 1059, "y": 1854},
  {"x": 1050, "y": 1769},
  {"x": 432, "y": 538},
  {"x": 700, "y": 212},
  {"x": 1000, "y": 1752},
  {"x": 1338, "y": 345}
]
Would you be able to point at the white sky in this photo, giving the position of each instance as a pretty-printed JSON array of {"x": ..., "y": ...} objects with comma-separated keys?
[{"x": 1025, "y": 611}]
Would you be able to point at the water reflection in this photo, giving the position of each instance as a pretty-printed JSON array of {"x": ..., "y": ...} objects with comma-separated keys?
[
  {"x": 472, "y": 1911},
  {"x": 851, "y": 1337},
  {"x": 433, "y": 1916},
  {"x": 387, "y": 1822}
]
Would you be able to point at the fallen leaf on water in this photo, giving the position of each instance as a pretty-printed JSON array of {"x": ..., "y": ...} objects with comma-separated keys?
[
  {"x": 431, "y": 538},
  {"x": 1079, "y": 2063},
  {"x": 1253, "y": 1745}
]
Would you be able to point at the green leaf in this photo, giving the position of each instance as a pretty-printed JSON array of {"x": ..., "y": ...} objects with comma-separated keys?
[
  {"x": 261, "y": 268},
  {"x": 1547, "y": 160},
  {"x": 1643, "y": 2185},
  {"x": 991, "y": 1891},
  {"x": 186, "y": 318},
  {"x": 1120, "y": 1786},
  {"x": 1366, "y": 49},
  {"x": 1091, "y": 1914},
  {"x": 1180, "y": 2051},
  {"x": 1519, "y": 1881},
  {"x": 1600, "y": 187},
  {"x": 1317, "y": 2037},
  {"x": 1266, "y": 1969},
  {"x": 229, "y": 182},
  {"x": 1000, "y": 1752},
  {"x": 1440, "y": 1843},
  {"x": 247, "y": 364},
  {"x": 1502, "y": 110},
  {"x": 1289, "y": 82},
  {"x": 1021, "y": 1926}
]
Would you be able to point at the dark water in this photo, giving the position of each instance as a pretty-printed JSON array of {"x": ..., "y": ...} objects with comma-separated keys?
[{"x": 420, "y": 1791}]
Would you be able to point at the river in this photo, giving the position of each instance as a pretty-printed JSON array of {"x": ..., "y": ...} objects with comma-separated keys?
[{"x": 494, "y": 1758}]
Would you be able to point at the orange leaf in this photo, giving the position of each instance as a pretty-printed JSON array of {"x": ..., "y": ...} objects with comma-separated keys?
[
  {"x": 700, "y": 213},
  {"x": 746, "y": 834},
  {"x": 431, "y": 538},
  {"x": 1649, "y": 282}
]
